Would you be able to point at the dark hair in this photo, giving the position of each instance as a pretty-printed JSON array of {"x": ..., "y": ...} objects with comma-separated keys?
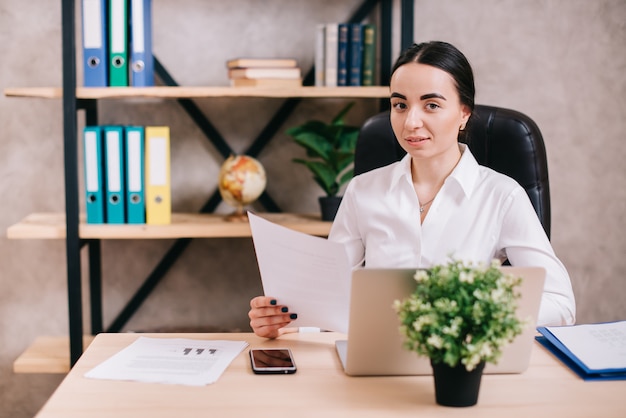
[{"x": 448, "y": 58}]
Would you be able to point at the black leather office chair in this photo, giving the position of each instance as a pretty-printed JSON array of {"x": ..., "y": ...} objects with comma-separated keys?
[{"x": 502, "y": 139}]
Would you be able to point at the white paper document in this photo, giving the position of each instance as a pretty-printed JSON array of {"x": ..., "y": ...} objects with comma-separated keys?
[
  {"x": 310, "y": 275},
  {"x": 170, "y": 360},
  {"x": 598, "y": 346}
]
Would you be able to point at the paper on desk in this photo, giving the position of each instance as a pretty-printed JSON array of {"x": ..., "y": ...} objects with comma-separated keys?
[
  {"x": 598, "y": 346},
  {"x": 310, "y": 275},
  {"x": 170, "y": 360}
]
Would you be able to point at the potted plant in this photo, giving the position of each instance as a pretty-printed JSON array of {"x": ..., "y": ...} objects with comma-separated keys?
[
  {"x": 330, "y": 155},
  {"x": 460, "y": 315}
]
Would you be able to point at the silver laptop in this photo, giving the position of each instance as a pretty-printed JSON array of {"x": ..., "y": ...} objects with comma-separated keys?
[{"x": 374, "y": 345}]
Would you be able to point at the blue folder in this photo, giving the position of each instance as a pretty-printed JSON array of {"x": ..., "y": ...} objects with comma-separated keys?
[
  {"x": 135, "y": 193},
  {"x": 565, "y": 354},
  {"x": 94, "y": 184},
  {"x": 114, "y": 174},
  {"x": 141, "y": 59},
  {"x": 95, "y": 52}
]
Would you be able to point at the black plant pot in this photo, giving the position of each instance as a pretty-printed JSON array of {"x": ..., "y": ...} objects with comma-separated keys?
[
  {"x": 329, "y": 206},
  {"x": 455, "y": 386}
]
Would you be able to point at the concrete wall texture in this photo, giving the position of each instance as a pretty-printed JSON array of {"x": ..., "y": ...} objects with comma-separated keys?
[{"x": 562, "y": 62}]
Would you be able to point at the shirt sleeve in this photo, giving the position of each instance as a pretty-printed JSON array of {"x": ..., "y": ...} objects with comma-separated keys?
[
  {"x": 345, "y": 229},
  {"x": 526, "y": 244}
]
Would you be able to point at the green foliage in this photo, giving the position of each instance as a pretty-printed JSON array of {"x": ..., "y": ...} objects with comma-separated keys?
[
  {"x": 460, "y": 313},
  {"x": 329, "y": 150}
]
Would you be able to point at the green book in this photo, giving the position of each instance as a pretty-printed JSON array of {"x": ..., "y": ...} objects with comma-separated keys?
[{"x": 368, "y": 72}]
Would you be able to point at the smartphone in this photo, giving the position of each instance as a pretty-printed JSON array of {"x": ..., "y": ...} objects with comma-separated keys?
[{"x": 272, "y": 361}]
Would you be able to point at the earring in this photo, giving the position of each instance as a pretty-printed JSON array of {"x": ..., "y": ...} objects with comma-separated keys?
[{"x": 462, "y": 127}]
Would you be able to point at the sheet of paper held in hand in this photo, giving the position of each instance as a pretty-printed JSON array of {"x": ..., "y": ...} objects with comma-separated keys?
[
  {"x": 599, "y": 346},
  {"x": 170, "y": 360},
  {"x": 310, "y": 275}
]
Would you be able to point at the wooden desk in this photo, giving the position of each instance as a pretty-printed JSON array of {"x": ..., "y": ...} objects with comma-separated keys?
[{"x": 321, "y": 389}]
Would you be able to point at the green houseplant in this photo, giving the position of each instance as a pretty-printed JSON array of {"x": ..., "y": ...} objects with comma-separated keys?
[
  {"x": 329, "y": 153},
  {"x": 460, "y": 315}
]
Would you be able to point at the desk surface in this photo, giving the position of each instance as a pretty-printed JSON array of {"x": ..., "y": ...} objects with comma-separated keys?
[{"x": 321, "y": 389}]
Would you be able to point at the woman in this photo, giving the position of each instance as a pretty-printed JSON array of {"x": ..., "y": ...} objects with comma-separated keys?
[{"x": 437, "y": 202}]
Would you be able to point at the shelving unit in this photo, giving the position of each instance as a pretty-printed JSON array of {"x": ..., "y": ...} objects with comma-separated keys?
[
  {"x": 166, "y": 92},
  {"x": 184, "y": 225},
  {"x": 77, "y": 234}
]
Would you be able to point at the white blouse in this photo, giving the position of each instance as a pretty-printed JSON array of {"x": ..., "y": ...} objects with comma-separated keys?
[{"x": 478, "y": 215}]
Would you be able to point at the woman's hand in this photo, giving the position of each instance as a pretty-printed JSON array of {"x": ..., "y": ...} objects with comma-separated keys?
[{"x": 268, "y": 319}]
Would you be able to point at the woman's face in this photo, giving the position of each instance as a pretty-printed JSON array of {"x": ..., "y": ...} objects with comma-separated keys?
[{"x": 426, "y": 112}]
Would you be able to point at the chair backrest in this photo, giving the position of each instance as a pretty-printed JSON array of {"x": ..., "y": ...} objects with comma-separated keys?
[{"x": 502, "y": 139}]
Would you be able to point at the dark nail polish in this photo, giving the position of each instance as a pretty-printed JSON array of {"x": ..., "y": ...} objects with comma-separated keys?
[
  {"x": 273, "y": 302},
  {"x": 293, "y": 316},
  {"x": 284, "y": 309}
]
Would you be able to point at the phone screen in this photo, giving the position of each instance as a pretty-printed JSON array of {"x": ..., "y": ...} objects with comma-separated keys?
[{"x": 272, "y": 361}]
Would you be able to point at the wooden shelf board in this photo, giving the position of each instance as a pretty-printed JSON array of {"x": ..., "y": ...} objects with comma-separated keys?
[
  {"x": 200, "y": 92},
  {"x": 184, "y": 225},
  {"x": 47, "y": 355}
]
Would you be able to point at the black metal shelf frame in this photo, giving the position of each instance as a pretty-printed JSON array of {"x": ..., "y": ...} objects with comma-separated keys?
[{"x": 71, "y": 105}]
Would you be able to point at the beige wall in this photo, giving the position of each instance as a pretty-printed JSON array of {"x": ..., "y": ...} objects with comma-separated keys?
[{"x": 561, "y": 62}]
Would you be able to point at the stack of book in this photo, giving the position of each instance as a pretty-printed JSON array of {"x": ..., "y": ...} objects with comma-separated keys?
[
  {"x": 345, "y": 54},
  {"x": 264, "y": 72}
]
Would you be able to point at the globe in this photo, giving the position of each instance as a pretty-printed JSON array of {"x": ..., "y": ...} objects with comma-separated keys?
[{"x": 241, "y": 181}]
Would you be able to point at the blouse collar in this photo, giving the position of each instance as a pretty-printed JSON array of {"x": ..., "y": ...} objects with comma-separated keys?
[{"x": 465, "y": 174}]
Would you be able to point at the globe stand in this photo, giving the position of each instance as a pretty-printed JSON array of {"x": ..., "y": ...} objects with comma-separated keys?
[{"x": 237, "y": 216}]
